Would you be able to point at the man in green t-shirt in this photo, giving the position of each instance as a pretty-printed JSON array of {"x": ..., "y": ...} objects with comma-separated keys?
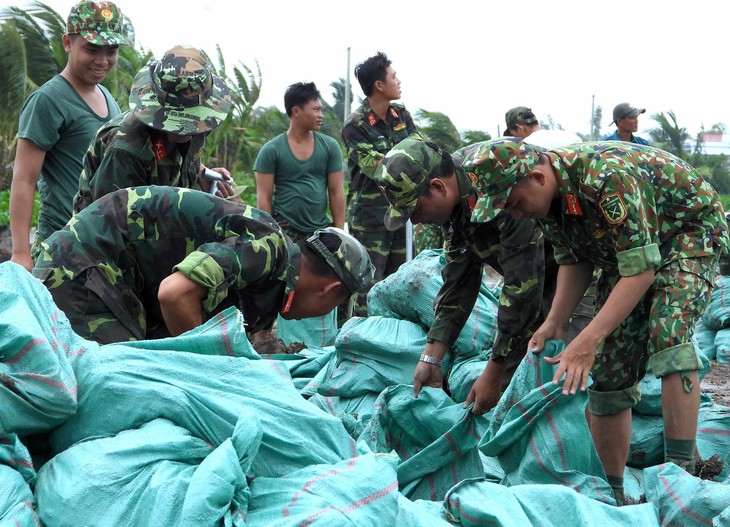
[
  {"x": 299, "y": 171},
  {"x": 297, "y": 174},
  {"x": 58, "y": 121}
]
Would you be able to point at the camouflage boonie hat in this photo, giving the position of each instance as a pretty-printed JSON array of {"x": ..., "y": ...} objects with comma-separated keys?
[
  {"x": 351, "y": 262},
  {"x": 400, "y": 175},
  {"x": 179, "y": 94},
  {"x": 498, "y": 165},
  {"x": 519, "y": 115},
  {"x": 100, "y": 23}
]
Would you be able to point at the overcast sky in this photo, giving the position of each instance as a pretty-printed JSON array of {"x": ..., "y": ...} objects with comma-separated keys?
[{"x": 472, "y": 60}]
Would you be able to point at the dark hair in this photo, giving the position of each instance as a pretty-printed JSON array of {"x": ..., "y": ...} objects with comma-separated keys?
[
  {"x": 445, "y": 169},
  {"x": 370, "y": 70},
  {"x": 315, "y": 262},
  {"x": 299, "y": 94}
]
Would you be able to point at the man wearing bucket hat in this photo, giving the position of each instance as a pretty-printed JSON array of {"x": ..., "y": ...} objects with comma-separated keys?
[
  {"x": 150, "y": 262},
  {"x": 626, "y": 119},
  {"x": 57, "y": 122},
  {"x": 174, "y": 104},
  {"x": 427, "y": 185},
  {"x": 656, "y": 229}
]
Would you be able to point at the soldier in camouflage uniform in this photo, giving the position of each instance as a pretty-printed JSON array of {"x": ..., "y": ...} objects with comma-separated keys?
[
  {"x": 175, "y": 103},
  {"x": 657, "y": 230},
  {"x": 427, "y": 185},
  {"x": 369, "y": 133},
  {"x": 150, "y": 262}
]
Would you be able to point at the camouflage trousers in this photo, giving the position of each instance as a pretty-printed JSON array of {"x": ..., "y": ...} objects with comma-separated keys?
[
  {"x": 584, "y": 312},
  {"x": 294, "y": 234},
  {"x": 657, "y": 333},
  {"x": 100, "y": 311},
  {"x": 426, "y": 236},
  {"x": 387, "y": 250}
]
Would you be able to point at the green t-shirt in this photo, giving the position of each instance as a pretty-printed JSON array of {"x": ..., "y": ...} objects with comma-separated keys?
[
  {"x": 56, "y": 119},
  {"x": 300, "y": 187}
]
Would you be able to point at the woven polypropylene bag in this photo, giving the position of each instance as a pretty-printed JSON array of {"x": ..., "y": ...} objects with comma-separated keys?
[
  {"x": 409, "y": 294},
  {"x": 541, "y": 435},
  {"x": 37, "y": 345}
]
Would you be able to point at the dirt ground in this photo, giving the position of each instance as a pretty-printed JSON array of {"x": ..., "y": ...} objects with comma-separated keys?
[{"x": 717, "y": 383}]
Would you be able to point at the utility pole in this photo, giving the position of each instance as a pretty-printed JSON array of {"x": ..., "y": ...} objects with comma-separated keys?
[
  {"x": 347, "y": 89},
  {"x": 593, "y": 115}
]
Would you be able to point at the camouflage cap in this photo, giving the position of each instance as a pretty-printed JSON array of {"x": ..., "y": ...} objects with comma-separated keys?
[
  {"x": 400, "y": 175},
  {"x": 350, "y": 262},
  {"x": 180, "y": 94},
  {"x": 100, "y": 23},
  {"x": 498, "y": 166},
  {"x": 519, "y": 115},
  {"x": 624, "y": 109}
]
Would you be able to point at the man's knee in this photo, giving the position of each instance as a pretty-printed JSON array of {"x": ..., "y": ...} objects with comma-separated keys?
[
  {"x": 682, "y": 357},
  {"x": 613, "y": 402}
]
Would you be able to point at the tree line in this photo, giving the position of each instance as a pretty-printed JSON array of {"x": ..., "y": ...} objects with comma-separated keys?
[{"x": 31, "y": 53}]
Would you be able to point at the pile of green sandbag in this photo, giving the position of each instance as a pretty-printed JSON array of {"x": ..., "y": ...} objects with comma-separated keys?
[
  {"x": 712, "y": 334},
  {"x": 198, "y": 430}
]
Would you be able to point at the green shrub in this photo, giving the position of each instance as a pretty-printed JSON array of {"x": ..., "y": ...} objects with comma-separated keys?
[{"x": 5, "y": 208}]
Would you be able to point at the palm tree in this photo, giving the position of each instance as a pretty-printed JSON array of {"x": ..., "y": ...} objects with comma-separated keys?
[
  {"x": 669, "y": 136},
  {"x": 41, "y": 29},
  {"x": 438, "y": 128},
  {"x": 30, "y": 53},
  {"x": 475, "y": 136},
  {"x": 233, "y": 144}
]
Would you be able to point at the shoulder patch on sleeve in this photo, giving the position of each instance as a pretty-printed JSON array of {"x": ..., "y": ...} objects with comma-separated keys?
[{"x": 613, "y": 209}]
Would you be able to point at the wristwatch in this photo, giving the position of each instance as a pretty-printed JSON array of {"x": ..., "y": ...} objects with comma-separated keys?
[{"x": 430, "y": 360}]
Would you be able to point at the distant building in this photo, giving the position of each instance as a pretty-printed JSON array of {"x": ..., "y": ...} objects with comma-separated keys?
[{"x": 716, "y": 143}]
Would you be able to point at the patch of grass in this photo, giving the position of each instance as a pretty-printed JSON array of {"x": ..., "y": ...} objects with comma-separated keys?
[
  {"x": 249, "y": 195},
  {"x": 5, "y": 208}
]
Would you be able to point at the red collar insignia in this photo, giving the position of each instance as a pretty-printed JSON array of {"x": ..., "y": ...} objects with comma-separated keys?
[
  {"x": 472, "y": 203},
  {"x": 158, "y": 148},
  {"x": 394, "y": 113},
  {"x": 573, "y": 204},
  {"x": 289, "y": 300},
  {"x": 371, "y": 119}
]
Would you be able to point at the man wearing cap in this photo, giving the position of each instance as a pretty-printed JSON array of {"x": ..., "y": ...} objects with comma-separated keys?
[
  {"x": 174, "y": 104},
  {"x": 428, "y": 185},
  {"x": 368, "y": 134},
  {"x": 626, "y": 119},
  {"x": 521, "y": 122},
  {"x": 150, "y": 262},
  {"x": 57, "y": 122},
  {"x": 656, "y": 229}
]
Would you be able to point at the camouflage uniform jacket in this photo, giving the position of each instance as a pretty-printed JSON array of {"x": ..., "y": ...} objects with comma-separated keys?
[
  {"x": 367, "y": 138},
  {"x": 138, "y": 236},
  {"x": 127, "y": 153},
  {"x": 513, "y": 247},
  {"x": 628, "y": 208}
]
